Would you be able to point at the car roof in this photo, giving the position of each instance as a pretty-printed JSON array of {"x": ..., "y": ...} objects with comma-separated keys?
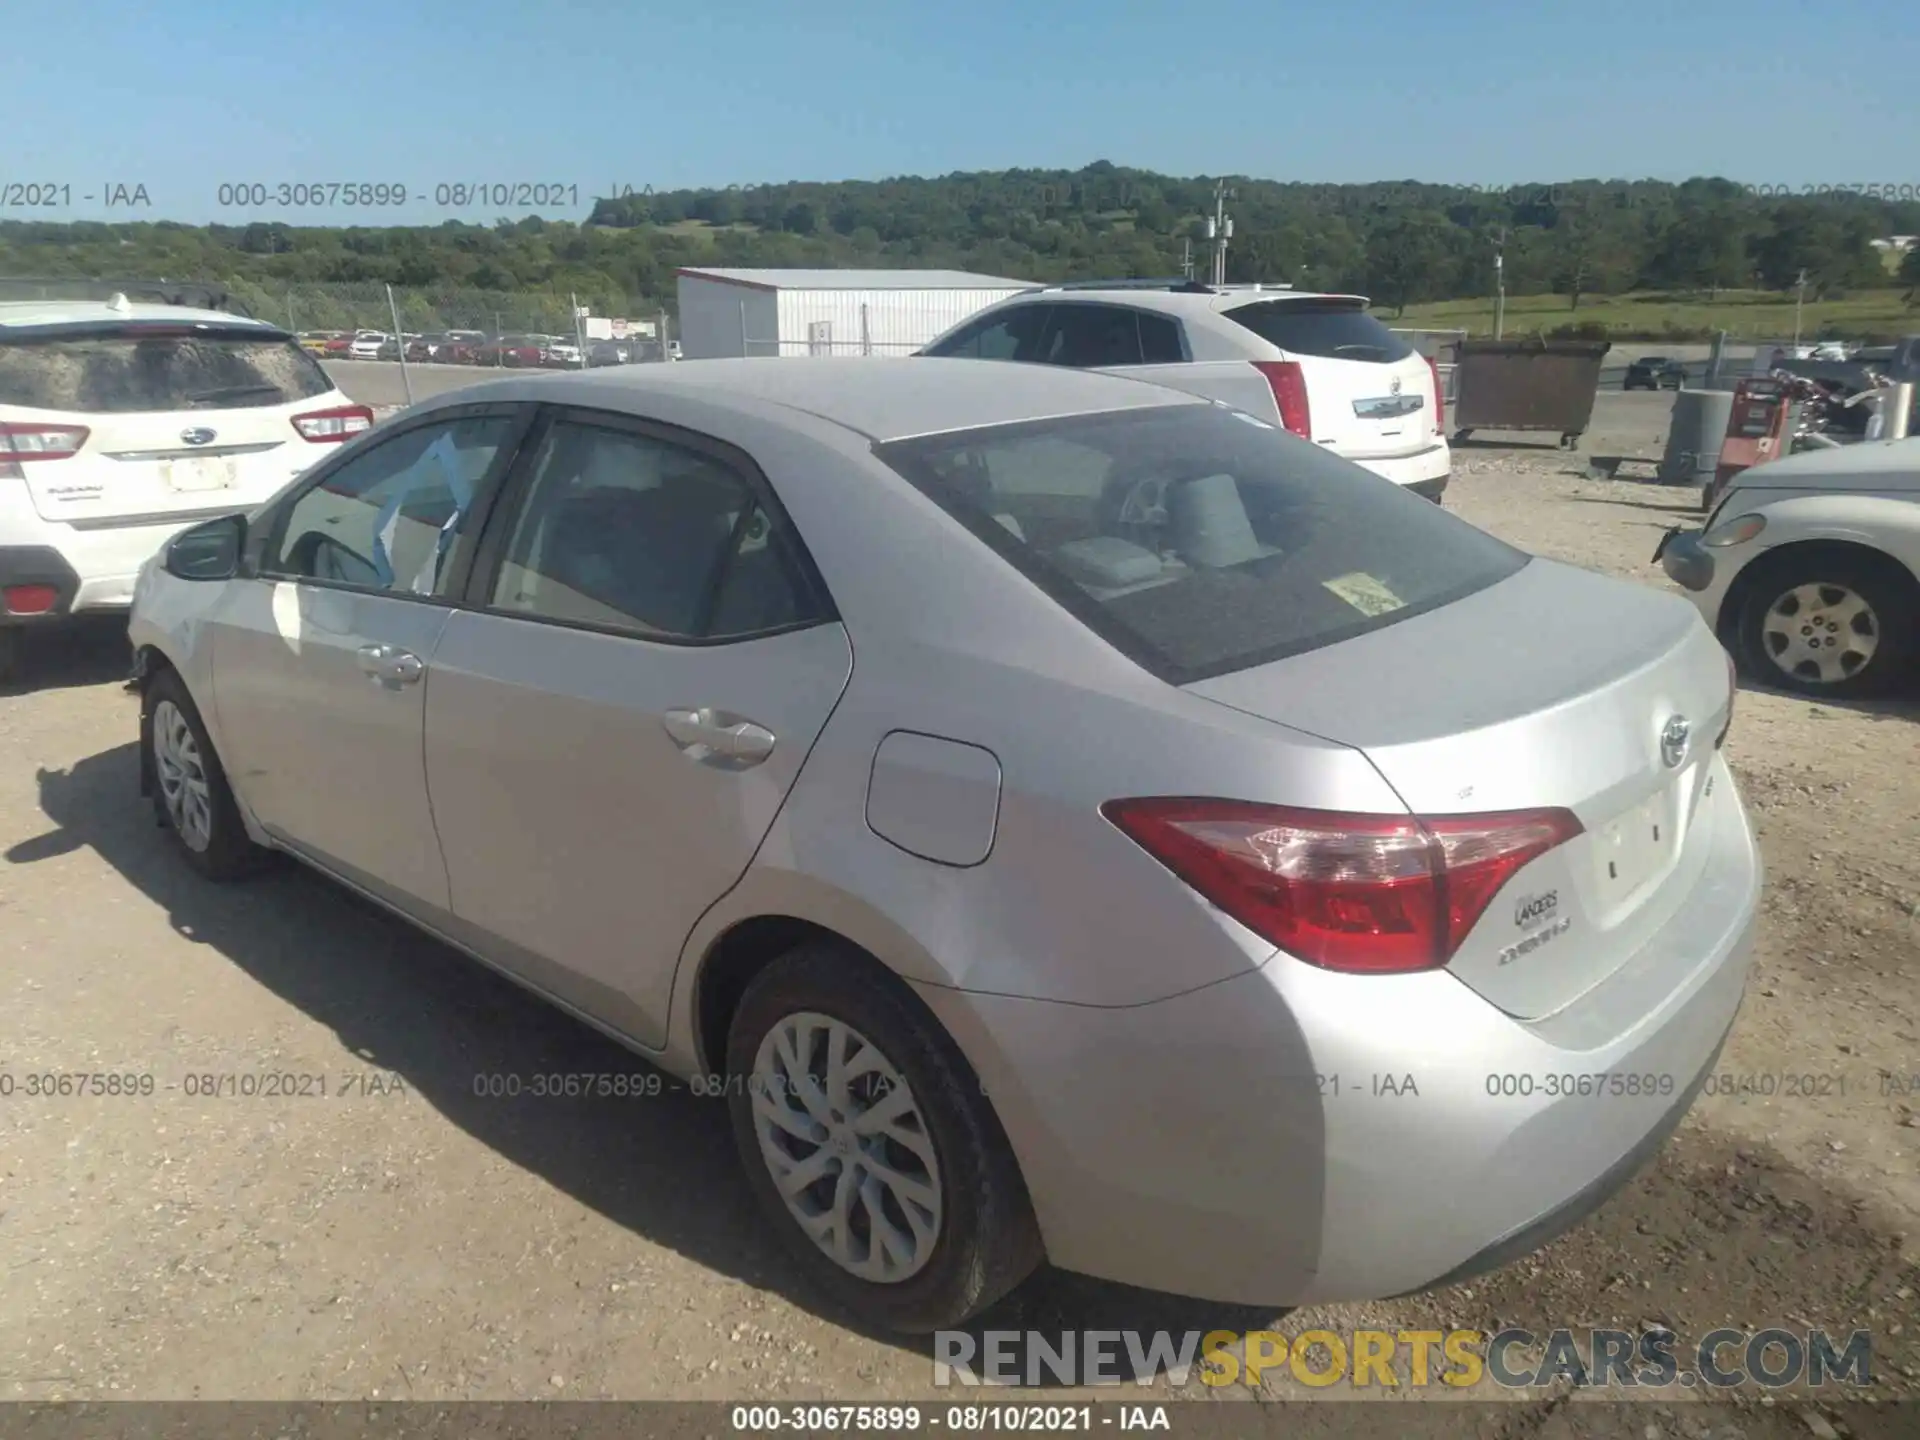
[
  {"x": 36, "y": 314},
  {"x": 881, "y": 398},
  {"x": 1179, "y": 302}
]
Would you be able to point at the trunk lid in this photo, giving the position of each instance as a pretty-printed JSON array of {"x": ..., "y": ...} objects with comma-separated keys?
[{"x": 1552, "y": 688}]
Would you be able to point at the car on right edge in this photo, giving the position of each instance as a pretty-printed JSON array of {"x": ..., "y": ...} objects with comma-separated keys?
[{"x": 1809, "y": 568}]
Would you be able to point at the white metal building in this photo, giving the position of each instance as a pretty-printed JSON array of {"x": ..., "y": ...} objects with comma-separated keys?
[{"x": 827, "y": 312}]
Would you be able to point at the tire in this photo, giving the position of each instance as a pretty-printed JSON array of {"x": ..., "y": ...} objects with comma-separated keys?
[
  {"x": 210, "y": 833},
  {"x": 980, "y": 1239},
  {"x": 1863, "y": 610}
]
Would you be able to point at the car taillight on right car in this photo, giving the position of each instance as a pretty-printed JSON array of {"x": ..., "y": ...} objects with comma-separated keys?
[
  {"x": 342, "y": 423},
  {"x": 1289, "y": 385},
  {"x": 1362, "y": 894}
]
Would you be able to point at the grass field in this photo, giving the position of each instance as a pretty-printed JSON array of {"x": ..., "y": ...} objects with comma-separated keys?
[{"x": 1743, "y": 314}]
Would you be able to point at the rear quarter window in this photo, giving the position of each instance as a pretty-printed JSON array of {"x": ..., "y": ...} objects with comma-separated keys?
[
  {"x": 1331, "y": 330},
  {"x": 1197, "y": 540},
  {"x": 129, "y": 372}
]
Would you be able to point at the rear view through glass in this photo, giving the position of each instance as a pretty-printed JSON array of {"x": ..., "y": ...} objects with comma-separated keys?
[
  {"x": 1198, "y": 540},
  {"x": 129, "y": 371},
  {"x": 1330, "y": 329}
]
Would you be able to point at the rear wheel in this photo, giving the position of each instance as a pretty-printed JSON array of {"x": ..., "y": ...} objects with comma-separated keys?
[
  {"x": 870, "y": 1146},
  {"x": 1835, "y": 624}
]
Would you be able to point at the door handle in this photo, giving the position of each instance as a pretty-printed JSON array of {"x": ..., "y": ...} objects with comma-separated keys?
[
  {"x": 390, "y": 663},
  {"x": 707, "y": 733}
]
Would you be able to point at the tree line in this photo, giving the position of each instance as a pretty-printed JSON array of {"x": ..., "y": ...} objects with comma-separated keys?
[{"x": 1400, "y": 242}]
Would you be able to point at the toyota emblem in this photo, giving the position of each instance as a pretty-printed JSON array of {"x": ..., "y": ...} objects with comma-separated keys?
[
  {"x": 198, "y": 435},
  {"x": 1674, "y": 738}
]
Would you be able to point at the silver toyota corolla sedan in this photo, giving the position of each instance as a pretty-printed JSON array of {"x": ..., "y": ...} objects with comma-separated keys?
[{"x": 1069, "y": 819}]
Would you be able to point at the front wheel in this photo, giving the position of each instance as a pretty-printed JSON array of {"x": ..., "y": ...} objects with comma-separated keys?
[
  {"x": 191, "y": 797},
  {"x": 870, "y": 1146},
  {"x": 1840, "y": 625}
]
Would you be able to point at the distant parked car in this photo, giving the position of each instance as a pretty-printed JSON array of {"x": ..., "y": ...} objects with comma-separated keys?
[
  {"x": 610, "y": 352},
  {"x": 1655, "y": 372},
  {"x": 564, "y": 354},
  {"x": 460, "y": 347},
  {"x": 319, "y": 342},
  {"x": 121, "y": 423},
  {"x": 512, "y": 351},
  {"x": 1319, "y": 366},
  {"x": 367, "y": 344},
  {"x": 339, "y": 345}
]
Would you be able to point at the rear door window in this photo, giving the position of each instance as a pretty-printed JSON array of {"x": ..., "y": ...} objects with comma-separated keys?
[
  {"x": 1159, "y": 339},
  {"x": 1329, "y": 329},
  {"x": 1092, "y": 337},
  {"x": 1010, "y": 334},
  {"x": 137, "y": 370},
  {"x": 1197, "y": 540}
]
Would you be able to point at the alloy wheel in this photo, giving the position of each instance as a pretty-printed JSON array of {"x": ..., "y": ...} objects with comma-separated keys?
[
  {"x": 182, "y": 777},
  {"x": 847, "y": 1147}
]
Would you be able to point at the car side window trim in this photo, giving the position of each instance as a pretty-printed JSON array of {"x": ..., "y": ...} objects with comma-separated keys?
[
  {"x": 515, "y": 490},
  {"x": 267, "y": 537}
]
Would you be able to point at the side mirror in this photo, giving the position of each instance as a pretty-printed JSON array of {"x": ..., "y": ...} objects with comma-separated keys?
[{"x": 210, "y": 550}]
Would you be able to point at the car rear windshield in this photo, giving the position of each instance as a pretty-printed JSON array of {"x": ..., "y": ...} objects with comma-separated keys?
[
  {"x": 1330, "y": 329},
  {"x": 1198, "y": 540},
  {"x": 133, "y": 370}
]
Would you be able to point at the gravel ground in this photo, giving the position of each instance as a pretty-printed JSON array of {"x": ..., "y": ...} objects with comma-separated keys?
[{"x": 410, "y": 1239}]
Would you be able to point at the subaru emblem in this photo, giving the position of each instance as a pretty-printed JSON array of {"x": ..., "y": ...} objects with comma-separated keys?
[
  {"x": 198, "y": 435},
  {"x": 1673, "y": 741}
]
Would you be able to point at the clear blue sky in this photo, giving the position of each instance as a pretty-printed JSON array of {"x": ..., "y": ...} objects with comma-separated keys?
[{"x": 183, "y": 95}]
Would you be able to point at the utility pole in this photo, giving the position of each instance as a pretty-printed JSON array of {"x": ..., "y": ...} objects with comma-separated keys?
[
  {"x": 1499, "y": 281},
  {"x": 1186, "y": 257},
  {"x": 1799, "y": 297},
  {"x": 1220, "y": 230}
]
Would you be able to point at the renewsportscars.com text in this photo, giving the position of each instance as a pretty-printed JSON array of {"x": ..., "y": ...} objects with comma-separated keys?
[{"x": 1385, "y": 1359}]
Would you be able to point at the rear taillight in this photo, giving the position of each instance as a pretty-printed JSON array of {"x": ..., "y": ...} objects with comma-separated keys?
[
  {"x": 1289, "y": 384},
  {"x": 41, "y": 442},
  {"x": 1439, "y": 398},
  {"x": 29, "y": 599},
  {"x": 334, "y": 425},
  {"x": 1364, "y": 894}
]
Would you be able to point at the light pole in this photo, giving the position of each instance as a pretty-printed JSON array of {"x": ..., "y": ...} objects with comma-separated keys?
[
  {"x": 1799, "y": 298},
  {"x": 1499, "y": 282}
]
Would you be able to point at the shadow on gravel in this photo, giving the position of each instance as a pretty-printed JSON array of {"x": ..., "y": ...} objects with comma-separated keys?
[
  {"x": 1708, "y": 1236},
  {"x": 664, "y": 1167},
  {"x": 93, "y": 651}
]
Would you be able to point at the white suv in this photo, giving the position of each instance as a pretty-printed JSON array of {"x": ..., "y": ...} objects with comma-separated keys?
[
  {"x": 1319, "y": 365},
  {"x": 121, "y": 423}
]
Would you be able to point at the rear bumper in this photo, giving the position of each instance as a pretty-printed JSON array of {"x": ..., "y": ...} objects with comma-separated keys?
[
  {"x": 1294, "y": 1136},
  {"x": 37, "y": 565},
  {"x": 1434, "y": 464},
  {"x": 91, "y": 570}
]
